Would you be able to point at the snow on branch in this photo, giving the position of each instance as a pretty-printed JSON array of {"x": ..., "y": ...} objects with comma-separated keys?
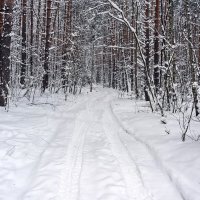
[{"x": 124, "y": 20}]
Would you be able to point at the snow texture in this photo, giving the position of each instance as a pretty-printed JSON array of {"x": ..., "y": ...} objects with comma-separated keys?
[{"x": 94, "y": 147}]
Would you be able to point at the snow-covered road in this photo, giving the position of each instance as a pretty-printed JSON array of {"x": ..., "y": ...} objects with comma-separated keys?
[
  {"x": 86, "y": 154},
  {"x": 104, "y": 162}
]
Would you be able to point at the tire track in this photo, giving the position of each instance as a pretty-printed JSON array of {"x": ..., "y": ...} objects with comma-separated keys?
[
  {"x": 145, "y": 150},
  {"x": 69, "y": 185},
  {"x": 101, "y": 177},
  {"x": 135, "y": 187}
]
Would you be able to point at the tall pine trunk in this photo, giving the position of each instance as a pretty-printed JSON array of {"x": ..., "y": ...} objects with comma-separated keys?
[
  {"x": 6, "y": 28},
  {"x": 23, "y": 55},
  {"x": 45, "y": 80},
  {"x": 147, "y": 50},
  {"x": 156, "y": 47},
  {"x": 31, "y": 40}
]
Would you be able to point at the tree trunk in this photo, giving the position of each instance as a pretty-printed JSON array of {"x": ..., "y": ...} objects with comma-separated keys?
[
  {"x": 136, "y": 53},
  {"x": 23, "y": 55},
  {"x": 45, "y": 80},
  {"x": 147, "y": 50},
  {"x": 5, "y": 50},
  {"x": 156, "y": 47},
  {"x": 31, "y": 40}
]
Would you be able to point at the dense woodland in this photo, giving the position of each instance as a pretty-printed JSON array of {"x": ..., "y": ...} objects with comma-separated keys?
[{"x": 149, "y": 48}]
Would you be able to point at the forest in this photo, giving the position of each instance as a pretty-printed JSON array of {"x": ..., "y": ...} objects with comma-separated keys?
[
  {"x": 99, "y": 99},
  {"x": 150, "y": 48}
]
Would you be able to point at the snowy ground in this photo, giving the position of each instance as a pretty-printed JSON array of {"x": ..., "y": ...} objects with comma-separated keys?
[{"x": 94, "y": 147}]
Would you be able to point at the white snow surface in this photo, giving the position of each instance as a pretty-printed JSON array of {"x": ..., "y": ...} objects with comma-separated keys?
[{"x": 95, "y": 146}]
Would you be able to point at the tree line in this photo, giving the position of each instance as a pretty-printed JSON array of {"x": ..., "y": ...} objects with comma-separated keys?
[{"x": 148, "y": 47}]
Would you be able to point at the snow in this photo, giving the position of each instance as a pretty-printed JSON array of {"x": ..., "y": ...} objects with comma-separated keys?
[
  {"x": 33, "y": 145},
  {"x": 179, "y": 162},
  {"x": 95, "y": 146}
]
